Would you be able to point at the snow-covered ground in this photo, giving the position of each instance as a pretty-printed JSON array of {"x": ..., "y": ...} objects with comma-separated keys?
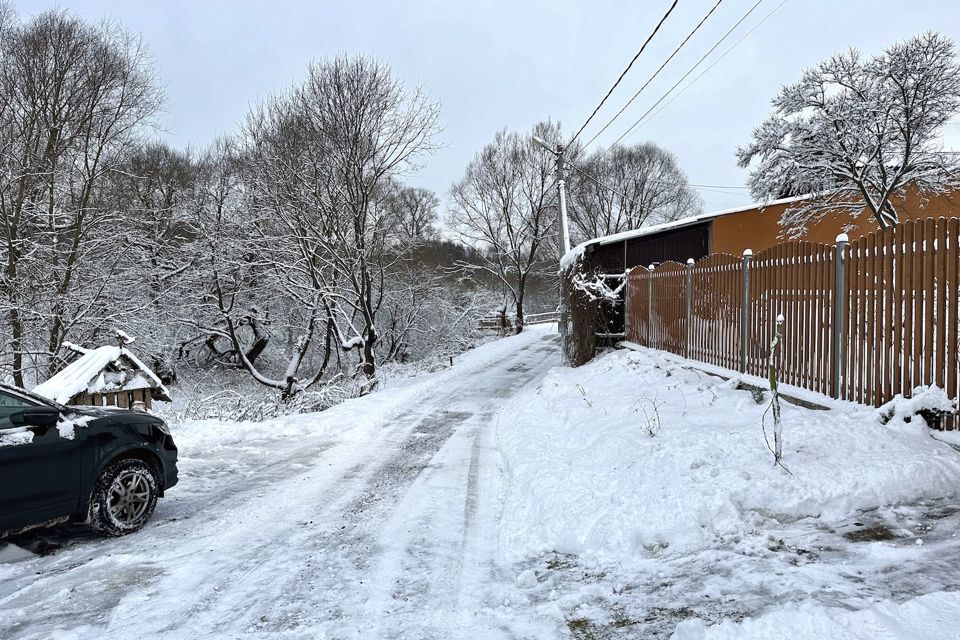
[
  {"x": 508, "y": 497},
  {"x": 640, "y": 496},
  {"x": 365, "y": 521}
]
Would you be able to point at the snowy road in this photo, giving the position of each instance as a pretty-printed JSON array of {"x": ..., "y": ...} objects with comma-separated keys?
[{"x": 383, "y": 530}]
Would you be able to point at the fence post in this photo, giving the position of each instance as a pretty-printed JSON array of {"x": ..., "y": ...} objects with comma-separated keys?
[
  {"x": 839, "y": 308},
  {"x": 745, "y": 309},
  {"x": 649, "y": 304},
  {"x": 686, "y": 346}
]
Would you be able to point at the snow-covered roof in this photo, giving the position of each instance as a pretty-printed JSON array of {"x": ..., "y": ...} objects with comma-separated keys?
[
  {"x": 571, "y": 255},
  {"x": 87, "y": 374}
]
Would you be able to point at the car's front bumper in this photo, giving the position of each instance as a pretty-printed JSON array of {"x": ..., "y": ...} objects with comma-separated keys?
[{"x": 169, "y": 455}]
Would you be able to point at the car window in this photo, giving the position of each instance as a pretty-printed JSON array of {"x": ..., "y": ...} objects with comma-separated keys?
[{"x": 10, "y": 403}]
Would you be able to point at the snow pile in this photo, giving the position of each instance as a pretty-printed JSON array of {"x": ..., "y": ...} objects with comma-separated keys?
[
  {"x": 934, "y": 616},
  {"x": 76, "y": 376},
  {"x": 633, "y": 456},
  {"x": 930, "y": 403},
  {"x": 13, "y": 553}
]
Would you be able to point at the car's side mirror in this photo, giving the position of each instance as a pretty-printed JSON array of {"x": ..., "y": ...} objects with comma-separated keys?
[{"x": 35, "y": 417}]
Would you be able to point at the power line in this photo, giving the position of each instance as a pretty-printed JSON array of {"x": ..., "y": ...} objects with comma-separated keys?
[
  {"x": 655, "y": 74},
  {"x": 644, "y": 46},
  {"x": 715, "y": 62},
  {"x": 727, "y": 193},
  {"x": 691, "y": 70},
  {"x": 699, "y": 187},
  {"x": 597, "y": 181}
]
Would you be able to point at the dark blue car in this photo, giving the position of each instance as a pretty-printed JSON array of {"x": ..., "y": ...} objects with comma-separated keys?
[{"x": 105, "y": 467}]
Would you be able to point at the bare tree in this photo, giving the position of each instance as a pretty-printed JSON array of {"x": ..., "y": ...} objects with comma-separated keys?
[
  {"x": 319, "y": 164},
  {"x": 231, "y": 301},
  {"x": 414, "y": 214},
  {"x": 154, "y": 188},
  {"x": 854, "y": 132},
  {"x": 72, "y": 98},
  {"x": 504, "y": 206},
  {"x": 625, "y": 188}
]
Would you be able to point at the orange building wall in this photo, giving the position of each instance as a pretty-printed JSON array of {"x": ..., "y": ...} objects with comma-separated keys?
[{"x": 758, "y": 229}]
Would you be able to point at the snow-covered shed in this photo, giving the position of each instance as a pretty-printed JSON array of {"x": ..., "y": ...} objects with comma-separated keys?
[{"x": 110, "y": 375}]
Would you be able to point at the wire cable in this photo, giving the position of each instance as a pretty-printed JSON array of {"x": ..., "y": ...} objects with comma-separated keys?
[
  {"x": 699, "y": 187},
  {"x": 644, "y": 46},
  {"x": 714, "y": 63},
  {"x": 691, "y": 70},
  {"x": 655, "y": 74},
  {"x": 598, "y": 182}
]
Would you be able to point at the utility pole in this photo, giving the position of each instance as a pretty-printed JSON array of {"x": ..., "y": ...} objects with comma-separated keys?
[
  {"x": 564, "y": 324},
  {"x": 561, "y": 188}
]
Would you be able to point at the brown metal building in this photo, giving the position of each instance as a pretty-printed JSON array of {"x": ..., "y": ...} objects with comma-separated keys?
[{"x": 755, "y": 227}]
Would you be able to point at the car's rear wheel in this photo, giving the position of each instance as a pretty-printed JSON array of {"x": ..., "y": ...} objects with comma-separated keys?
[{"x": 124, "y": 497}]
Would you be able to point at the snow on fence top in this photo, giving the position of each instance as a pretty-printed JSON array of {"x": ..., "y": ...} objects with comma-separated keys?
[{"x": 106, "y": 369}]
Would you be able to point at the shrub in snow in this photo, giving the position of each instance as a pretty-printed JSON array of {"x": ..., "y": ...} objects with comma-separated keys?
[
  {"x": 231, "y": 395},
  {"x": 929, "y": 403},
  {"x": 579, "y": 322},
  {"x": 594, "y": 286},
  {"x": 651, "y": 415}
]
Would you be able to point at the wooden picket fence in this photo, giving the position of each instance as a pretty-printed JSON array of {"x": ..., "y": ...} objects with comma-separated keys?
[{"x": 895, "y": 327}]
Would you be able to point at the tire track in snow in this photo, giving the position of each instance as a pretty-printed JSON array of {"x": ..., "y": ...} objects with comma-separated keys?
[
  {"x": 433, "y": 578},
  {"x": 404, "y": 489},
  {"x": 291, "y": 549},
  {"x": 392, "y": 528}
]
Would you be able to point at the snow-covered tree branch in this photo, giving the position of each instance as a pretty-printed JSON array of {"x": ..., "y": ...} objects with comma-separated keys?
[{"x": 855, "y": 132}]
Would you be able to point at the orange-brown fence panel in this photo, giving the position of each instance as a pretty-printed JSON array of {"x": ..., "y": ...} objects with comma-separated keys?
[
  {"x": 880, "y": 320},
  {"x": 637, "y": 305},
  {"x": 716, "y": 303},
  {"x": 793, "y": 280},
  {"x": 669, "y": 314},
  {"x": 909, "y": 274}
]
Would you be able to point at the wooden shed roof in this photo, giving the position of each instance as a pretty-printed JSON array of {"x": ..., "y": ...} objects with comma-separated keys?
[{"x": 90, "y": 373}]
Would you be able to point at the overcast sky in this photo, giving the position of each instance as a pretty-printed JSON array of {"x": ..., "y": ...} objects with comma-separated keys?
[{"x": 509, "y": 64}]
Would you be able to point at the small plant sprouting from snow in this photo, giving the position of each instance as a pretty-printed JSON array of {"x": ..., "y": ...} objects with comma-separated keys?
[
  {"x": 651, "y": 414},
  {"x": 583, "y": 392},
  {"x": 772, "y": 366}
]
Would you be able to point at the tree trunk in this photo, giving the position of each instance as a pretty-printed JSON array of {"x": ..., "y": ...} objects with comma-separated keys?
[
  {"x": 367, "y": 364},
  {"x": 16, "y": 323},
  {"x": 16, "y": 328},
  {"x": 260, "y": 341}
]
